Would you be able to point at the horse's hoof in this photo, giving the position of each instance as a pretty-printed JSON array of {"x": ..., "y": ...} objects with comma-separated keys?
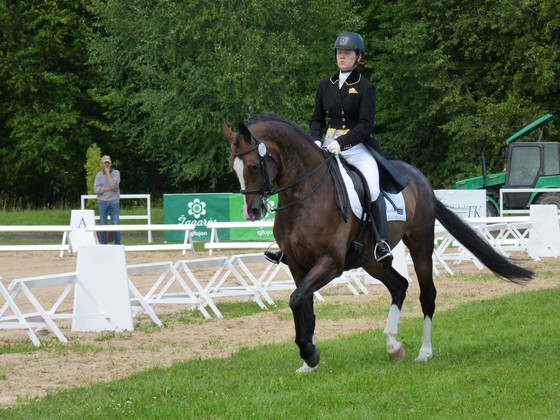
[
  {"x": 313, "y": 361},
  {"x": 305, "y": 368},
  {"x": 424, "y": 356},
  {"x": 397, "y": 355}
]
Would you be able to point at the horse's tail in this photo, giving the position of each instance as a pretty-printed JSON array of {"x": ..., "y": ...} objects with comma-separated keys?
[{"x": 481, "y": 249}]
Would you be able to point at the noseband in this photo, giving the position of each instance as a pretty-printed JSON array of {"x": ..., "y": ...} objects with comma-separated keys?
[{"x": 266, "y": 189}]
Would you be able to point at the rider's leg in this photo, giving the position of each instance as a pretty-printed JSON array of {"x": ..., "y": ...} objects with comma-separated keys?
[
  {"x": 381, "y": 250},
  {"x": 360, "y": 157}
]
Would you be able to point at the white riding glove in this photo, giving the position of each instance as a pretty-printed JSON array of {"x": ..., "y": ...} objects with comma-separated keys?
[
  {"x": 334, "y": 147},
  {"x": 318, "y": 143}
]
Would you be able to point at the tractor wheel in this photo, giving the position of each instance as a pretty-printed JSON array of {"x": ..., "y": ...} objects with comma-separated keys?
[
  {"x": 491, "y": 210},
  {"x": 549, "y": 198}
]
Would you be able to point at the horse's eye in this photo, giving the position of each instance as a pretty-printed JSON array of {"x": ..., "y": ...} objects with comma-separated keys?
[{"x": 254, "y": 167}]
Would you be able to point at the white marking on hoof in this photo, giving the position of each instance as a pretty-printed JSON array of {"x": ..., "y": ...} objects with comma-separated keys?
[
  {"x": 424, "y": 355},
  {"x": 306, "y": 369}
]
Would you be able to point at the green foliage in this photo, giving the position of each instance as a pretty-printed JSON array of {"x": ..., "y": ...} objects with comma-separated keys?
[
  {"x": 457, "y": 78},
  {"x": 178, "y": 68},
  {"x": 93, "y": 157},
  {"x": 50, "y": 117},
  {"x": 148, "y": 82}
]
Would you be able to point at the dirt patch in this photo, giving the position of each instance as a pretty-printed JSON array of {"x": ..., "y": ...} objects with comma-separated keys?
[{"x": 119, "y": 355}]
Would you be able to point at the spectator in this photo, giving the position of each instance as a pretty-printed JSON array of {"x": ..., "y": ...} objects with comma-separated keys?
[{"x": 106, "y": 187}]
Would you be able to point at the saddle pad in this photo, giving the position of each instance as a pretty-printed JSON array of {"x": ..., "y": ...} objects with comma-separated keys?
[{"x": 396, "y": 213}]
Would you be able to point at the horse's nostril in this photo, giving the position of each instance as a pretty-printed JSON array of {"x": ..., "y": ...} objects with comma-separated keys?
[{"x": 255, "y": 214}]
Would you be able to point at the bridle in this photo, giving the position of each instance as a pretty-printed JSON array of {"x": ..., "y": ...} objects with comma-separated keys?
[{"x": 266, "y": 190}]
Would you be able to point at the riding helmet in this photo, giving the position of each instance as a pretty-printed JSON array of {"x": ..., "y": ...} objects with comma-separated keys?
[{"x": 350, "y": 41}]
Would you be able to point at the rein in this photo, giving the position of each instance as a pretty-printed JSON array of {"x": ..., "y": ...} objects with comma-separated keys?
[{"x": 267, "y": 190}]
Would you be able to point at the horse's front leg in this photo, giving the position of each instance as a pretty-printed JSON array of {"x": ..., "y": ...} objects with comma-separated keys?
[{"x": 304, "y": 320}]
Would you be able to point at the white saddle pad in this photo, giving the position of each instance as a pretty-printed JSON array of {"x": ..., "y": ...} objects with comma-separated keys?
[{"x": 394, "y": 213}]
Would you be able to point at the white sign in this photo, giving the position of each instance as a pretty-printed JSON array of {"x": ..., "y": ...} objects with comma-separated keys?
[
  {"x": 78, "y": 235},
  {"x": 464, "y": 203}
]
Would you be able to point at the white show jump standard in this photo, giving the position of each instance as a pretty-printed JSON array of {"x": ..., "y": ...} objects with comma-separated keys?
[
  {"x": 215, "y": 240},
  {"x": 64, "y": 245},
  {"x": 186, "y": 245}
]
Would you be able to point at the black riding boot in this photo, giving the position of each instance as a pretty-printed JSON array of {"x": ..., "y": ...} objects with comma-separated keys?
[
  {"x": 276, "y": 257},
  {"x": 381, "y": 250}
]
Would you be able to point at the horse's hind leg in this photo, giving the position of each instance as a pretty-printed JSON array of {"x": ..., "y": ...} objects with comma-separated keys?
[
  {"x": 397, "y": 286},
  {"x": 422, "y": 259}
]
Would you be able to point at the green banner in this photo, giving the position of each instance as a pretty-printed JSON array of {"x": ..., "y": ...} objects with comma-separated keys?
[
  {"x": 255, "y": 234},
  {"x": 199, "y": 209}
]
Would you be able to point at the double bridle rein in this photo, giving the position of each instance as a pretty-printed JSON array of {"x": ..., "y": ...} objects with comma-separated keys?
[{"x": 266, "y": 190}]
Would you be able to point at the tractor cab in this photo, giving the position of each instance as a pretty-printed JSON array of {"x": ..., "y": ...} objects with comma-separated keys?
[
  {"x": 531, "y": 165},
  {"x": 528, "y": 164}
]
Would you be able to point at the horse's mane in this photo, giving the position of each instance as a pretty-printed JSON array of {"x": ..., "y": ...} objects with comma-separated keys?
[{"x": 279, "y": 119}]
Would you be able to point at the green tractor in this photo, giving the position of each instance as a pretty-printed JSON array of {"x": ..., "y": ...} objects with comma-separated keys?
[{"x": 528, "y": 165}]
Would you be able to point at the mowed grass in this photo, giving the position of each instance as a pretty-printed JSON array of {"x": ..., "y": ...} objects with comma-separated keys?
[{"x": 492, "y": 359}]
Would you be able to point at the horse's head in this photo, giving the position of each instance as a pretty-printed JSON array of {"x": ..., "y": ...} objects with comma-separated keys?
[{"x": 255, "y": 168}]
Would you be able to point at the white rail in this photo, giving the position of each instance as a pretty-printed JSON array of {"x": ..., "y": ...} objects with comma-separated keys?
[
  {"x": 147, "y": 216},
  {"x": 215, "y": 243},
  {"x": 64, "y": 246},
  {"x": 186, "y": 245}
]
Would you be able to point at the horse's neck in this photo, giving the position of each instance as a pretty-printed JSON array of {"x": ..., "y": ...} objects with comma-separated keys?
[
  {"x": 303, "y": 179},
  {"x": 299, "y": 159}
]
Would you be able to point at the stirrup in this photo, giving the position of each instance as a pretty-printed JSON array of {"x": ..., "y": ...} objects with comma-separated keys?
[{"x": 382, "y": 253}]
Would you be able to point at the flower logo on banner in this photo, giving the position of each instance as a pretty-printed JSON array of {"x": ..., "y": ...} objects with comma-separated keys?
[
  {"x": 197, "y": 208},
  {"x": 270, "y": 206}
]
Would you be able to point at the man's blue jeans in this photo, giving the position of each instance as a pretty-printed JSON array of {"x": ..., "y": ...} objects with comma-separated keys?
[{"x": 113, "y": 210}]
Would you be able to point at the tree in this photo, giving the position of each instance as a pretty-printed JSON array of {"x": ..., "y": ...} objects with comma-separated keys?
[
  {"x": 455, "y": 78},
  {"x": 176, "y": 69},
  {"x": 47, "y": 117}
]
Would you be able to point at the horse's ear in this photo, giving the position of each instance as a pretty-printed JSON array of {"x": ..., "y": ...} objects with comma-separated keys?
[
  {"x": 226, "y": 131},
  {"x": 244, "y": 132}
]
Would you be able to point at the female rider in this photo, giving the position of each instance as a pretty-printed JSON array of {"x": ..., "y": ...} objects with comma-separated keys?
[{"x": 344, "y": 114}]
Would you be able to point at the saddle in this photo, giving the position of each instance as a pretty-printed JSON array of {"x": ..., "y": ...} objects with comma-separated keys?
[{"x": 391, "y": 181}]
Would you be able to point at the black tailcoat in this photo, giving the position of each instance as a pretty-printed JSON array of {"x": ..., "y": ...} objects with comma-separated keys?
[
  {"x": 350, "y": 107},
  {"x": 353, "y": 107}
]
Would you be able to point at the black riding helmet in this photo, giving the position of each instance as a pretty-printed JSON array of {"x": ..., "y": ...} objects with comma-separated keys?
[{"x": 350, "y": 41}]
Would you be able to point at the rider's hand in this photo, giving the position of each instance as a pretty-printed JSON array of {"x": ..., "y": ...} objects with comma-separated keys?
[
  {"x": 318, "y": 143},
  {"x": 334, "y": 147}
]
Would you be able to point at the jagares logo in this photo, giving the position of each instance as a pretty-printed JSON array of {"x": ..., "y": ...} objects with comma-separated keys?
[{"x": 197, "y": 208}]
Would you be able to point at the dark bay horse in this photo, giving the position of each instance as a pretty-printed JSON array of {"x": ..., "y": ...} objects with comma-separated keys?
[{"x": 272, "y": 155}]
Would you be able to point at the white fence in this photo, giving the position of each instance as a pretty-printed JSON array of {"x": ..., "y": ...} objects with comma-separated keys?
[
  {"x": 185, "y": 246},
  {"x": 64, "y": 246},
  {"x": 147, "y": 216}
]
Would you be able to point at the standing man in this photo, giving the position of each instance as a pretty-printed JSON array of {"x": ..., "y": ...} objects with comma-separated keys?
[{"x": 106, "y": 187}]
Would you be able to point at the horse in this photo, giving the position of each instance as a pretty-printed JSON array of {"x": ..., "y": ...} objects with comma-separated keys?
[{"x": 309, "y": 227}]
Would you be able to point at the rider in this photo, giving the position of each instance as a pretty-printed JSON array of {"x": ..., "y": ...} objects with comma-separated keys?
[{"x": 344, "y": 113}]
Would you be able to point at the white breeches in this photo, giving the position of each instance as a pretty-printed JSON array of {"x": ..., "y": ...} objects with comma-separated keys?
[{"x": 361, "y": 158}]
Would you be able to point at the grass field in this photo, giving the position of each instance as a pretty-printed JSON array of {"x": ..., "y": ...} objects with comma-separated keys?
[
  {"x": 62, "y": 217},
  {"x": 493, "y": 359}
]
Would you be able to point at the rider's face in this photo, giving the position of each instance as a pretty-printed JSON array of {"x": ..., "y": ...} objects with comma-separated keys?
[{"x": 346, "y": 59}]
